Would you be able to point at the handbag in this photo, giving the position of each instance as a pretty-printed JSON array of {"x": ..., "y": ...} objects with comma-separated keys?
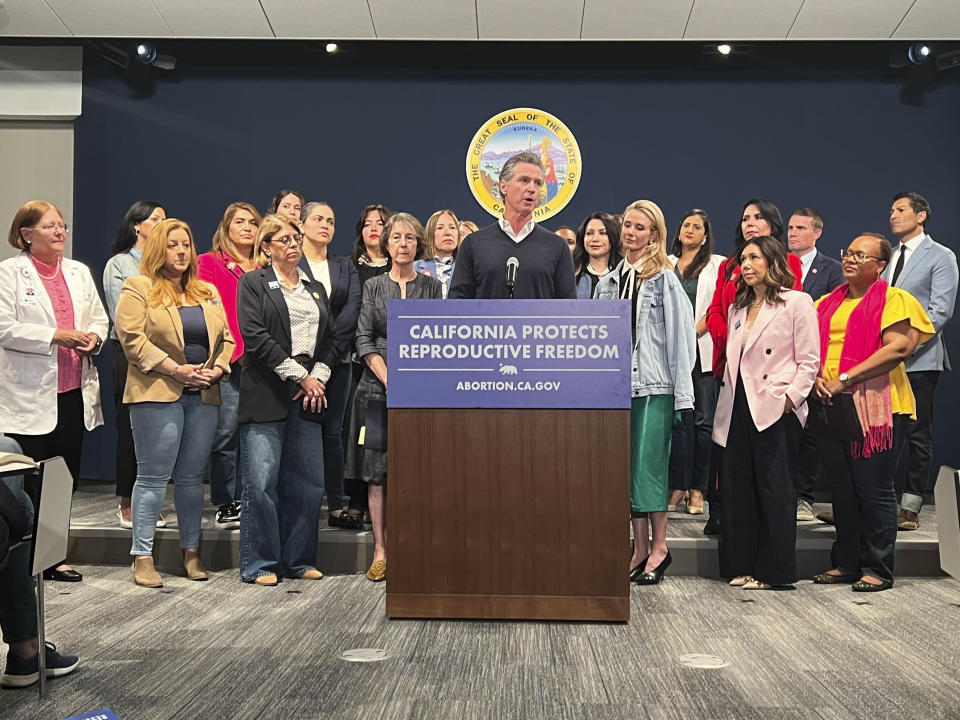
[{"x": 837, "y": 421}]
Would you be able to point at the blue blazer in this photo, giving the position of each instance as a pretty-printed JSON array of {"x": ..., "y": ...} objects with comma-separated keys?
[
  {"x": 429, "y": 267},
  {"x": 930, "y": 275},
  {"x": 824, "y": 275},
  {"x": 344, "y": 306}
]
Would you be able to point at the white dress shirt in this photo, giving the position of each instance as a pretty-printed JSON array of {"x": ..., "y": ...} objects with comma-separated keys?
[
  {"x": 524, "y": 231},
  {"x": 805, "y": 262},
  {"x": 907, "y": 249}
]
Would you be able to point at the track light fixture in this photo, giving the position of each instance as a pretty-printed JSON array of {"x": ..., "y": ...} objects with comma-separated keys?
[{"x": 918, "y": 53}]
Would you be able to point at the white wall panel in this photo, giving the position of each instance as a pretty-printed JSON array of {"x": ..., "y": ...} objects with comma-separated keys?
[
  {"x": 215, "y": 18},
  {"x": 424, "y": 19},
  {"x": 327, "y": 20},
  {"x": 635, "y": 19},
  {"x": 742, "y": 19},
  {"x": 511, "y": 20}
]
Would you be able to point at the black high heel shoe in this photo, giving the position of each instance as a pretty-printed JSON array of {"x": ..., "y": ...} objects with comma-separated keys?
[
  {"x": 653, "y": 577},
  {"x": 639, "y": 570}
]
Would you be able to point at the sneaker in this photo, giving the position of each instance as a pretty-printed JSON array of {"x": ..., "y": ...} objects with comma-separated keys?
[
  {"x": 805, "y": 510},
  {"x": 21, "y": 673},
  {"x": 228, "y": 516}
]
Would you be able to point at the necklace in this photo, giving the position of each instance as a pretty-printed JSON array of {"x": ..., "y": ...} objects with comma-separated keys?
[{"x": 56, "y": 270}]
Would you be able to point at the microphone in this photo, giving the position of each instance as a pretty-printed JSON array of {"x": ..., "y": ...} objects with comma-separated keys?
[{"x": 512, "y": 265}]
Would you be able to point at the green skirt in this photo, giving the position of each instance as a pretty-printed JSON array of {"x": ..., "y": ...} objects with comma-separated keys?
[{"x": 651, "y": 425}]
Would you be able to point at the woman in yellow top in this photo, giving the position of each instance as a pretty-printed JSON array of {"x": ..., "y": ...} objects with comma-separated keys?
[{"x": 867, "y": 330}]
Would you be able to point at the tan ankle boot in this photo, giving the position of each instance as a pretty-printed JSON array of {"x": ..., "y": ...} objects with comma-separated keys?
[
  {"x": 145, "y": 574},
  {"x": 193, "y": 566}
]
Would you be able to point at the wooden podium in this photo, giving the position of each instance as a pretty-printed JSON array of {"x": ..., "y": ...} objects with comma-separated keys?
[
  {"x": 508, "y": 513},
  {"x": 508, "y": 459}
]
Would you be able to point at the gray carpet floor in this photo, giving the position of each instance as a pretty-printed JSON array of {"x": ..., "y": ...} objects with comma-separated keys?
[{"x": 222, "y": 649}]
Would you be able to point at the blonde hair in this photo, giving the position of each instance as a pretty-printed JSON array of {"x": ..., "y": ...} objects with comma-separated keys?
[
  {"x": 656, "y": 257},
  {"x": 429, "y": 250},
  {"x": 27, "y": 216},
  {"x": 270, "y": 226},
  {"x": 163, "y": 291},
  {"x": 221, "y": 238}
]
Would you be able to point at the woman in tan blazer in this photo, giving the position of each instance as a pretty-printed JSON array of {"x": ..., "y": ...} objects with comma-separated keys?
[{"x": 175, "y": 336}]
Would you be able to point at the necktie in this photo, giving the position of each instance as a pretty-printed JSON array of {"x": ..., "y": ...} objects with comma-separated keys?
[{"x": 899, "y": 267}]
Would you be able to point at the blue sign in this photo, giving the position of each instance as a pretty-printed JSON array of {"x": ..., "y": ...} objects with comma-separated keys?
[
  {"x": 508, "y": 354},
  {"x": 101, "y": 714}
]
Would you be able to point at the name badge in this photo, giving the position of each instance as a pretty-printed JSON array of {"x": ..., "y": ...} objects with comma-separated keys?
[
  {"x": 273, "y": 285},
  {"x": 737, "y": 326}
]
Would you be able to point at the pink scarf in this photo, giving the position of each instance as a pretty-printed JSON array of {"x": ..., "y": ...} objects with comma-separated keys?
[{"x": 862, "y": 338}]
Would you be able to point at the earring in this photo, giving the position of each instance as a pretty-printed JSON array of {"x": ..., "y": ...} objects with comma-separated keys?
[{"x": 136, "y": 230}]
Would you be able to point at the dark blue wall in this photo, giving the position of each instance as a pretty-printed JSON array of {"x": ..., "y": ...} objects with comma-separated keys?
[{"x": 839, "y": 140}]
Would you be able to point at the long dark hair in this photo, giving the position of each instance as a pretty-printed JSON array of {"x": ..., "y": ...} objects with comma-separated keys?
[
  {"x": 275, "y": 202},
  {"x": 580, "y": 257},
  {"x": 702, "y": 257},
  {"x": 770, "y": 213},
  {"x": 359, "y": 249},
  {"x": 779, "y": 274},
  {"x": 127, "y": 234}
]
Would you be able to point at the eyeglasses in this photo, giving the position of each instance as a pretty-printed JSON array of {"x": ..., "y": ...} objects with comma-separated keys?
[
  {"x": 50, "y": 228},
  {"x": 858, "y": 257},
  {"x": 288, "y": 240}
]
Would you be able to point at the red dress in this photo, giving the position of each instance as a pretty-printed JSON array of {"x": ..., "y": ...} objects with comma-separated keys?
[{"x": 723, "y": 296}]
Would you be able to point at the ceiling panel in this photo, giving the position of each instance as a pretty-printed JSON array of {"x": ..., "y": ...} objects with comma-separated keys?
[
  {"x": 215, "y": 18},
  {"x": 511, "y": 20},
  {"x": 29, "y": 18},
  {"x": 742, "y": 20},
  {"x": 425, "y": 19},
  {"x": 109, "y": 18},
  {"x": 931, "y": 20},
  {"x": 635, "y": 19},
  {"x": 849, "y": 20},
  {"x": 331, "y": 20}
]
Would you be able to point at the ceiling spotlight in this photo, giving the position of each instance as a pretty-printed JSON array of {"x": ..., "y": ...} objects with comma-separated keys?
[
  {"x": 724, "y": 49},
  {"x": 146, "y": 53},
  {"x": 331, "y": 47},
  {"x": 918, "y": 53}
]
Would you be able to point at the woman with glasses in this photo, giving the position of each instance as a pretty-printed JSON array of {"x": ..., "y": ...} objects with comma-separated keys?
[
  {"x": 125, "y": 263},
  {"x": 175, "y": 336},
  {"x": 402, "y": 241},
  {"x": 339, "y": 278},
  {"x": 596, "y": 251},
  {"x": 233, "y": 254},
  {"x": 51, "y": 323},
  {"x": 286, "y": 324},
  {"x": 696, "y": 266},
  {"x": 772, "y": 356},
  {"x": 867, "y": 329}
]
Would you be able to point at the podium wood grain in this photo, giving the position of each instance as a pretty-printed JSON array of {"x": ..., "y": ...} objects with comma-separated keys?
[{"x": 517, "y": 514}]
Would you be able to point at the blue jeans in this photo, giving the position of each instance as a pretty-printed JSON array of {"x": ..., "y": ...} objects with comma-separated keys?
[
  {"x": 18, "y": 604},
  {"x": 223, "y": 456},
  {"x": 338, "y": 392},
  {"x": 281, "y": 474},
  {"x": 171, "y": 439}
]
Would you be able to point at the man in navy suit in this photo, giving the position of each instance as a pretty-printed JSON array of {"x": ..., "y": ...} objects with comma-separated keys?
[
  {"x": 821, "y": 274},
  {"x": 928, "y": 271}
]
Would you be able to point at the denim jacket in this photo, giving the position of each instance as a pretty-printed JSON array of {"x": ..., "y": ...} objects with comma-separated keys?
[{"x": 665, "y": 343}]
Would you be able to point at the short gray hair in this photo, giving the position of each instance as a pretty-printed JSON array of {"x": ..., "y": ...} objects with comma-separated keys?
[{"x": 506, "y": 172}]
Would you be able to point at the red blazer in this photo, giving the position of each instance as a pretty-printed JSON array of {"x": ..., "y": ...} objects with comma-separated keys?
[{"x": 723, "y": 296}]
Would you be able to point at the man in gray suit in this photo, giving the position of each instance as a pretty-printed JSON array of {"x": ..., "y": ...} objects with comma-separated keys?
[{"x": 928, "y": 271}]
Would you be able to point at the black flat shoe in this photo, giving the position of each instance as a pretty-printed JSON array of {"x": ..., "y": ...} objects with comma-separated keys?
[
  {"x": 638, "y": 570},
  {"x": 713, "y": 526},
  {"x": 654, "y": 576},
  {"x": 345, "y": 521},
  {"x": 862, "y": 586},
  {"x": 828, "y": 579},
  {"x": 62, "y": 575}
]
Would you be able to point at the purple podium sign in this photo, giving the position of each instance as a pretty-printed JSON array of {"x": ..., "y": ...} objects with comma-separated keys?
[{"x": 508, "y": 354}]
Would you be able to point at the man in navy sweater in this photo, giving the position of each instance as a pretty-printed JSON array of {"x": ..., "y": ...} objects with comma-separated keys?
[{"x": 545, "y": 269}]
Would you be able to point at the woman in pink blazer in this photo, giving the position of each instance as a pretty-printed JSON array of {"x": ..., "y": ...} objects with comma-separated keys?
[{"x": 773, "y": 356}]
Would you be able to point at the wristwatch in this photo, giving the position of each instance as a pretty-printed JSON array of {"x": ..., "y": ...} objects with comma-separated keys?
[{"x": 845, "y": 380}]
